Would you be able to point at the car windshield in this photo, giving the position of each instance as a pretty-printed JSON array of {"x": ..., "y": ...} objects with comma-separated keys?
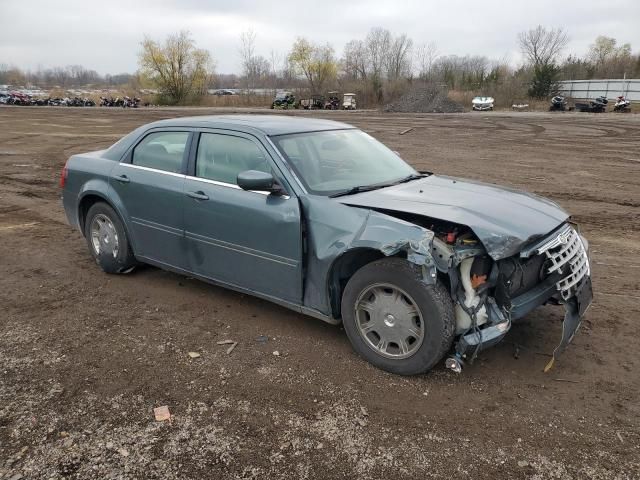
[{"x": 339, "y": 161}]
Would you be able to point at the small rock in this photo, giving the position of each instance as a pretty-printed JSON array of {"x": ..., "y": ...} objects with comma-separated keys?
[
  {"x": 17, "y": 476},
  {"x": 361, "y": 421},
  {"x": 124, "y": 452},
  {"x": 276, "y": 353},
  {"x": 523, "y": 463},
  {"x": 364, "y": 411},
  {"x": 109, "y": 445},
  {"x": 194, "y": 354}
]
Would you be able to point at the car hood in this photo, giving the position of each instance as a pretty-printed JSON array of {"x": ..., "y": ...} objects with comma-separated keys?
[
  {"x": 504, "y": 219},
  {"x": 482, "y": 100}
]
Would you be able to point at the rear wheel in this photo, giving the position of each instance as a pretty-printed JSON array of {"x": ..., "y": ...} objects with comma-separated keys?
[
  {"x": 396, "y": 321},
  {"x": 107, "y": 239}
]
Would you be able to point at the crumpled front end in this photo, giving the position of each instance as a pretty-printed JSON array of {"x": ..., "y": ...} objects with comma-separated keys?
[
  {"x": 489, "y": 291},
  {"x": 490, "y": 295}
]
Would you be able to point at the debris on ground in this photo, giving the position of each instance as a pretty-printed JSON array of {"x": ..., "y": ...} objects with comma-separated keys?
[
  {"x": 406, "y": 130},
  {"x": 276, "y": 353},
  {"x": 228, "y": 342},
  {"x": 427, "y": 99},
  {"x": 194, "y": 354},
  {"x": 162, "y": 413}
]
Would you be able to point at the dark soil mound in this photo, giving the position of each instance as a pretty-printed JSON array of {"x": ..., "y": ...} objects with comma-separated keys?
[{"x": 429, "y": 99}]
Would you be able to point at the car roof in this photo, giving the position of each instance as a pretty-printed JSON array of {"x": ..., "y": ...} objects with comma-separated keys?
[{"x": 269, "y": 125}]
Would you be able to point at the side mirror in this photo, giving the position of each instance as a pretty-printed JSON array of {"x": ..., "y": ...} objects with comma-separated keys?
[{"x": 257, "y": 180}]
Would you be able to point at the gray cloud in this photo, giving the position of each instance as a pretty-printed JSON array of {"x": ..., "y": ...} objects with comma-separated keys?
[{"x": 105, "y": 36}]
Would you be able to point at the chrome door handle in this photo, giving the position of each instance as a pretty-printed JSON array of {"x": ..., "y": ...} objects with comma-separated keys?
[
  {"x": 198, "y": 195},
  {"x": 122, "y": 178}
]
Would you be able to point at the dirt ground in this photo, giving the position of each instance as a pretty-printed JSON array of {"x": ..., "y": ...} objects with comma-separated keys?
[{"x": 85, "y": 357}]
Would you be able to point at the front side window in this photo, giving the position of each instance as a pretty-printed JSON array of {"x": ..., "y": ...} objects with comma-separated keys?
[
  {"x": 331, "y": 162},
  {"x": 222, "y": 157},
  {"x": 161, "y": 150}
]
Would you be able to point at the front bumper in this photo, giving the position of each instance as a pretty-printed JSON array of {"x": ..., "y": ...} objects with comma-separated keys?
[{"x": 482, "y": 108}]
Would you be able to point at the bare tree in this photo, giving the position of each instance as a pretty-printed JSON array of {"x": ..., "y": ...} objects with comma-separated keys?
[
  {"x": 541, "y": 46},
  {"x": 398, "y": 57},
  {"x": 377, "y": 48},
  {"x": 355, "y": 60},
  {"x": 426, "y": 54},
  {"x": 248, "y": 55}
]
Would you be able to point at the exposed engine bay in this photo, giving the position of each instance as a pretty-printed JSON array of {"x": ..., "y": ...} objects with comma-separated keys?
[{"x": 489, "y": 294}]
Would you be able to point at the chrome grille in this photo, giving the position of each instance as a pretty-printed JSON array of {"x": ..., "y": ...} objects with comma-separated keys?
[{"x": 567, "y": 256}]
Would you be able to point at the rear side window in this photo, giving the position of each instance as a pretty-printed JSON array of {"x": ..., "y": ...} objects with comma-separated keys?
[
  {"x": 161, "y": 150},
  {"x": 222, "y": 157}
]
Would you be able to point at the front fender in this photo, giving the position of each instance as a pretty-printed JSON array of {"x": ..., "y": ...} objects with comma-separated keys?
[{"x": 332, "y": 229}]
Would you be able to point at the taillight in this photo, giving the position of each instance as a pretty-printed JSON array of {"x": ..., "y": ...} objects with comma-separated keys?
[{"x": 63, "y": 176}]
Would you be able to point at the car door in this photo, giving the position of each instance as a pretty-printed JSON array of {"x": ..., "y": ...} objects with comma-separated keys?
[
  {"x": 150, "y": 184},
  {"x": 243, "y": 238}
]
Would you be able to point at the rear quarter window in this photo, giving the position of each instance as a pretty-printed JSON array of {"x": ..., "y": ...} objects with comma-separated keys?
[{"x": 161, "y": 150}]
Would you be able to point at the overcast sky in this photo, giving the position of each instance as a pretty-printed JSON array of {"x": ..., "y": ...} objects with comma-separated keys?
[{"x": 105, "y": 35}]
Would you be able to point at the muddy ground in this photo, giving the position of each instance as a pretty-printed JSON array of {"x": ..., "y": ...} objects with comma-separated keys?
[{"x": 85, "y": 357}]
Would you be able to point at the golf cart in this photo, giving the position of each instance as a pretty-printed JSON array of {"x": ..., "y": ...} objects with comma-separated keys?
[
  {"x": 349, "y": 101},
  {"x": 333, "y": 102},
  {"x": 313, "y": 103}
]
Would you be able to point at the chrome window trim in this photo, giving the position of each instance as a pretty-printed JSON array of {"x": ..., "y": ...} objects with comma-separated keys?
[
  {"x": 204, "y": 180},
  {"x": 156, "y": 170}
]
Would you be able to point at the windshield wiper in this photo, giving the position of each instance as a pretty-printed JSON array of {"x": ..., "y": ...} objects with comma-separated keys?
[
  {"x": 367, "y": 188},
  {"x": 358, "y": 189},
  {"x": 408, "y": 178}
]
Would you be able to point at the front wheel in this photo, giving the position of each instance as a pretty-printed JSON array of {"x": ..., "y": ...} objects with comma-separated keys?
[
  {"x": 107, "y": 239},
  {"x": 395, "y": 320}
]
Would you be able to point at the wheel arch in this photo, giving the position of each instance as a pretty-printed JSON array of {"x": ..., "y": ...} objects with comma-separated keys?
[
  {"x": 343, "y": 268},
  {"x": 90, "y": 198}
]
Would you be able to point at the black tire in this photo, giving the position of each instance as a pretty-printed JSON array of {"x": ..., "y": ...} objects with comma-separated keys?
[
  {"x": 124, "y": 261},
  {"x": 433, "y": 301}
]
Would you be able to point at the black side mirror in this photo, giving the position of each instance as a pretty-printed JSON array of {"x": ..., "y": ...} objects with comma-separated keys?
[{"x": 257, "y": 180}]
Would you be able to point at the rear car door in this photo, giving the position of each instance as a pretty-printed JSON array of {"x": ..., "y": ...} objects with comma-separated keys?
[
  {"x": 243, "y": 238},
  {"x": 150, "y": 182}
]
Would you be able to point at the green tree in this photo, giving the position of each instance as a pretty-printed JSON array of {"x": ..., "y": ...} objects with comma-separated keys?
[
  {"x": 181, "y": 71},
  {"x": 317, "y": 63},
  {"x": 545, "y": 81}
]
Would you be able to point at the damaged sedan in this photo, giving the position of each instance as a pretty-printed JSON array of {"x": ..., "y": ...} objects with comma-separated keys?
[{"x": 320, "y": 217}]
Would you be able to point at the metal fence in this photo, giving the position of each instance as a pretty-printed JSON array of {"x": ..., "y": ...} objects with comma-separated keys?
[{"x": 610, "y": 88}]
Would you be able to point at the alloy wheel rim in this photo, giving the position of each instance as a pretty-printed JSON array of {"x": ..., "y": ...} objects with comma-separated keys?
[
  {"x": 104, "y": 236},
  {"x": 389, "y": 321}
]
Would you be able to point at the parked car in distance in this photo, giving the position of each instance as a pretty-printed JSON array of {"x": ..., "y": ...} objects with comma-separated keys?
[
  {"x": 320, "y": 217},
  {"x": 482, "y": 103}
]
